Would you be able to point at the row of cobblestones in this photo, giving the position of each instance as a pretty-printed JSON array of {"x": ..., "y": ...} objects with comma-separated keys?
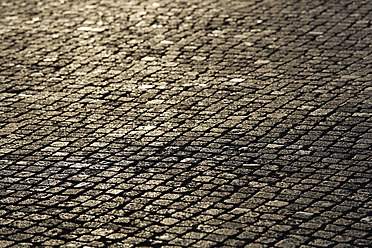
[{"x": 178, "y": 123}]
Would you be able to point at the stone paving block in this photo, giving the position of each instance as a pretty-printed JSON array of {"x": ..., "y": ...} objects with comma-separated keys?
[{"x": 178, "y": 123}]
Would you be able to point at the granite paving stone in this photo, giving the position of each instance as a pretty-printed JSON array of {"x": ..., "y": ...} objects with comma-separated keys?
[{"x": 172, "y": 123}]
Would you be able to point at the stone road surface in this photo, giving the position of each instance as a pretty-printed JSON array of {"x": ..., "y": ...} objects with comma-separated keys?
[{"x": 174, "y": 123}]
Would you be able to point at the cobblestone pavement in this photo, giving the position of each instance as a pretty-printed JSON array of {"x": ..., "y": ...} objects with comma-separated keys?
[{"x": 174, "y": 123}]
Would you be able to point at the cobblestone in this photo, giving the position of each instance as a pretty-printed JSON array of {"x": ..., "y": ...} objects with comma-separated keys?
[{"x": 176, "y": 123}]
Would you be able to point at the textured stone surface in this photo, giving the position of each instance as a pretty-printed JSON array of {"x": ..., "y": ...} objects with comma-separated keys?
[{"x": 185, "y": 123}]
